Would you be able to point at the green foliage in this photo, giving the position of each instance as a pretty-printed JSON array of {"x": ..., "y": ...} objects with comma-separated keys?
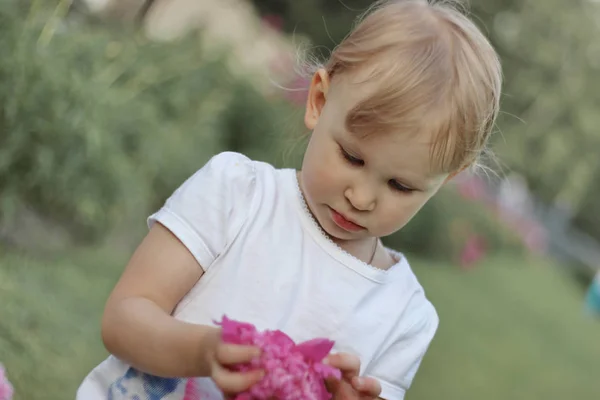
[
  {"x": 325, "y": 22},
  {"x": 440, "y": 230},
  {"x": 97, "y": 124},
  {"x": 56, "y": 138},
  {"x": 551, "y": 58}
]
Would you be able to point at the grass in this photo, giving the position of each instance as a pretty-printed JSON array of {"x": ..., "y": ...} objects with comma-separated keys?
[
  {"x": 49, "y": 320},
  {"x": 510, "y": 329}
]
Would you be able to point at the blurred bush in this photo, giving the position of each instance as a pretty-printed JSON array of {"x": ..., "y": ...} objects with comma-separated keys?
[
  {"x": 98, "y": 124},
  {"x": 444, "y": 225}
]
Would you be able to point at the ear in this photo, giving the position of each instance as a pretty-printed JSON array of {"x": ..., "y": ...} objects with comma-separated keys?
[{"x": 317, "y": 95}]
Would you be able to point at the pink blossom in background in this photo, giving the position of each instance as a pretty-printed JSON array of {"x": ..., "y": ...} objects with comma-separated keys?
[
  {"x": 6, "y": 389},
  {"x": 273, "y": 21},
  {"x": 473, "y": 251},
  {"x": 293, "y": 371},
  {"x": 534, "y": 236},
  {"x": 473, "y": 187},
  {"x": 298, "y": 91}
]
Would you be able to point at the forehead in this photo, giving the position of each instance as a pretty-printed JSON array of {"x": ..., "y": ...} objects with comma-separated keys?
[
  {"x": 397, "y": 153},
  {"x": 416, "y": 138}
]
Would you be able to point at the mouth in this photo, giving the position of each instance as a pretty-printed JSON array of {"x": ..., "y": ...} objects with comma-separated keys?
[{"x": 345, "y": 223}]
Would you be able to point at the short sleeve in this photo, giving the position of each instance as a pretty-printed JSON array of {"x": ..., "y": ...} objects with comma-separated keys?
[
  {"x": 398, "y": 365},
  {"x": 208, "y": 210}
]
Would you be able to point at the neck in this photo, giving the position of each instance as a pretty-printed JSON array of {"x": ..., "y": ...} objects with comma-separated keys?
[{"x": 363, "y": 249}]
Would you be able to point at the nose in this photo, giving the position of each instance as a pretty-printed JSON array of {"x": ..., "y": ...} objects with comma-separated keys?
[{"x": 362, "y": 197}]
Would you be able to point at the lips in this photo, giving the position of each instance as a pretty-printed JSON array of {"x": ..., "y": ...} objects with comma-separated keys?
[{"x": 344, "y": 223}]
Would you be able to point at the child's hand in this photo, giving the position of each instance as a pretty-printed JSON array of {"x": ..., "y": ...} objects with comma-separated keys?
[
  {"x": 220, "y": 360},
  {"x": 351, "y": 386}
]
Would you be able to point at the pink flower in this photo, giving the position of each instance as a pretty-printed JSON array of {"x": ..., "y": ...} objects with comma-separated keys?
[
  {"x": 473, "y": 251},
  {"x": 6, "y": 389},
  {"x": 273, "y": 21},
  {"x": 293, "y": 371}
]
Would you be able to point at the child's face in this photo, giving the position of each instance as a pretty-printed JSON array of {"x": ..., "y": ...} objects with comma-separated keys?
[{"x": 361, "y": 187}]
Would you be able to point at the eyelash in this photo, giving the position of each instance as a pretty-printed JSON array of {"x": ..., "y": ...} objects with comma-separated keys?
[
  {"x": 357, "y": 162},
  {"x": 400, "y": 187},
  {"x": 351, "y": 159}
]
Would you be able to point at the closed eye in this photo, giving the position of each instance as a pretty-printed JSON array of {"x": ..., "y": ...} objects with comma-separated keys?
[
  {"x": 351, "y": 159},
  {"x": 394, "y": 184}
]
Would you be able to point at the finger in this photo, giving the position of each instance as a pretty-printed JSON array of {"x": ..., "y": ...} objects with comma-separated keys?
[
  {"x": 332, "y": 384},
  {"x": 349, "y": 364},
  {"x": 234, "y": 382},
  {"x": 228, "y": 354},
  {"x": 367, "y": 386}
]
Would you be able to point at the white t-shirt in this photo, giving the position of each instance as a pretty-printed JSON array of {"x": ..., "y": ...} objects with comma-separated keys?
[{"x": 268, "y": 262}]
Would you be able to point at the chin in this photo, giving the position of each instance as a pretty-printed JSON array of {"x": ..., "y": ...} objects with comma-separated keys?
[{"x": 338, "y": 233}]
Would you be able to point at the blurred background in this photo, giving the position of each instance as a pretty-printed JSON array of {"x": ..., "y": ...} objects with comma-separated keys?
[{"x": 106, "y": 106}]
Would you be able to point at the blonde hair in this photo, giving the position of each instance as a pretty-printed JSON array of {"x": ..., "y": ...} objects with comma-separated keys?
[{"x": 434, "y": 71}]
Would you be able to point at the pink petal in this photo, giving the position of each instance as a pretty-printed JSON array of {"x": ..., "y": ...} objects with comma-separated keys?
[
  {"x": 282, "y": 339},
  {"x": 293, "y": 371},
  {"x": 327, "y": 371},
  {"x": 232, "y": 330},
  {"x": 6, "y": 389},
  {"x": 315, "y": 349}
]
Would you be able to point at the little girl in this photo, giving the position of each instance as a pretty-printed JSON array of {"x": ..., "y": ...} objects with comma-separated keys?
[{"x": 404, "y": 103}]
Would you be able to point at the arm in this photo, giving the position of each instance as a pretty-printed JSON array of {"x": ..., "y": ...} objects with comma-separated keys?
[
  {"x": 193, "y": 226},
  {"x": 137, "y": 326}
]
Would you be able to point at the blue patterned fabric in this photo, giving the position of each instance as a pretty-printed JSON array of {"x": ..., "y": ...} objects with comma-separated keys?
[{"x": 153, "y": 387}]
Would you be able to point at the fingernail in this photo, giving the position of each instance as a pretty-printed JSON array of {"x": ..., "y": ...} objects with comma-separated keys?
[{"x": 360, "y": 382}]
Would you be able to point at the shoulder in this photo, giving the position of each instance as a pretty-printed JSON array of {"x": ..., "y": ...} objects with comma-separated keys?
[
  {"x": 229, "y": 164},
  {"x": 226, "y": 174},
  {"x": 417, "y": 324},
  {"x": 228, "y": 184},
  {"x": 418, "y": 319},
  {"x": 224, "y": 178},
  {"x": 210, "y": 208},
  {"x": 421, "y": 314},
  {"x": 406, "y": 283},
  {"x": 422, "y": 319}
]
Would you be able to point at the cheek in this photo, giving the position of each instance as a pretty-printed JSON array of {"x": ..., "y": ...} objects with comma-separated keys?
[
  {"x": 321, "y": 170},
  {"x": 321, "y": 177},
  {"x": 399, "y": 211}
]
